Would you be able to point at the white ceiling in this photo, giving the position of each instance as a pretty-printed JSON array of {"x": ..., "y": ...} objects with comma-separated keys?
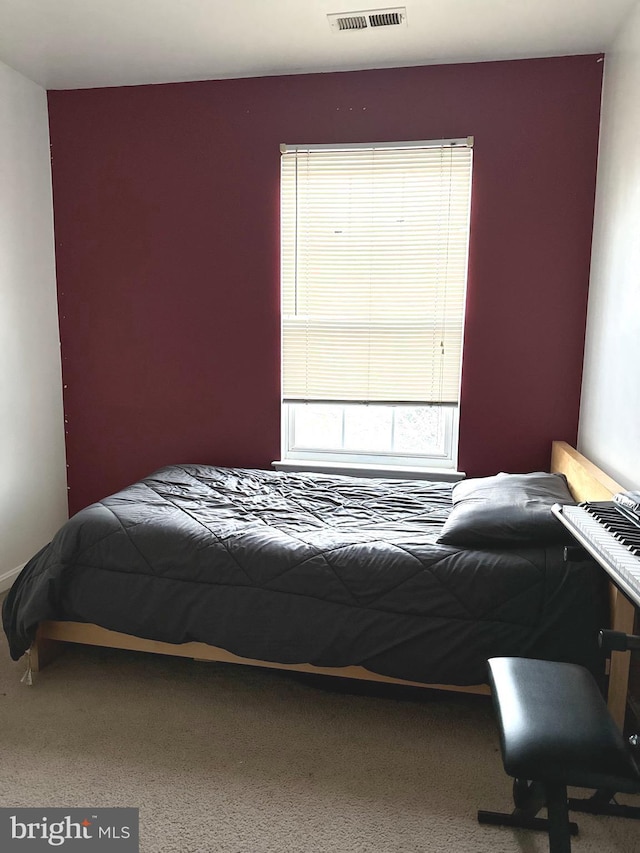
[{"x": 69, "y": 44}]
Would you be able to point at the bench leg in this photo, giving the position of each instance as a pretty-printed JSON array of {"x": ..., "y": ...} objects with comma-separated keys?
[
  {"x": 603, "y": 802},
  {"x": 558, "y": 812},
  {"x": 529, "y": 798}
]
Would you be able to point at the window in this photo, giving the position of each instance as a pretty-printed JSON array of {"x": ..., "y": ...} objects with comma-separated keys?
[{"x": 374, "y": 262}]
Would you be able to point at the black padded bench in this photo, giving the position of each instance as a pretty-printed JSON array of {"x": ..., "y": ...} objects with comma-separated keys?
[{"x": 556, "y": 731}]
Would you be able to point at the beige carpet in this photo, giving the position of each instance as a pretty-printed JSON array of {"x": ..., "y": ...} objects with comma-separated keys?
[{"x": 242, "y": 760}]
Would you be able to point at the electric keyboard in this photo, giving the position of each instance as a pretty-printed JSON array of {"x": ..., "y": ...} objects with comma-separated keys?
[{"x": 612, "y": 540}]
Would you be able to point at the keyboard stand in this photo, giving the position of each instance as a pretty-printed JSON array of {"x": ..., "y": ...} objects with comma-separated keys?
[{"x": 607, "y": 551}]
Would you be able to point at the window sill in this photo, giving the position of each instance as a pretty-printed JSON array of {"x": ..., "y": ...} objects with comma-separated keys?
[{"x": 444, "y": 475}]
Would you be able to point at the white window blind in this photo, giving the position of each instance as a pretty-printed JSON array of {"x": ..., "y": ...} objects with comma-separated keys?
[{"x": 374, "y": 264}]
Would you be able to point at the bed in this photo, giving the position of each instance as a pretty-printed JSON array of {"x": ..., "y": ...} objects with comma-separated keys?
[{"x": 314, "y": 573}]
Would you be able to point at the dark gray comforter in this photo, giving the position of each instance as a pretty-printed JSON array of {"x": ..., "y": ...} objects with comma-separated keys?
[{"x": 307, "y": 568}]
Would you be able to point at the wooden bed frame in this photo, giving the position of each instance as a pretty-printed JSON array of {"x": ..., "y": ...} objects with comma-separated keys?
[{"x": 587, "y": 482}]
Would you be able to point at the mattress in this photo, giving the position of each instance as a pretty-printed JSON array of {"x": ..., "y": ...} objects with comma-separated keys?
[{"x": 308, "y": 568}]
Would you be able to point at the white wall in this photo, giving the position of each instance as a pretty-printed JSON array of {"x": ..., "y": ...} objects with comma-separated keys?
[
  {"x": 609, "y": 431},
  {"x": 33, "y": 496}
]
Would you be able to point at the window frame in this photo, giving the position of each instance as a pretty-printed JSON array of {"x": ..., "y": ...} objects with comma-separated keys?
[{"x": 294, "y": 454}]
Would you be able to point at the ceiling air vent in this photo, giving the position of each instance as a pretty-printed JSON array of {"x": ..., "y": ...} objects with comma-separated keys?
[{"x": 342, "y": 21}]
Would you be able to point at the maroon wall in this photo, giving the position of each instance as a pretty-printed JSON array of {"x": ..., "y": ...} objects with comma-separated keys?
[{"x": 166, "y": 219}]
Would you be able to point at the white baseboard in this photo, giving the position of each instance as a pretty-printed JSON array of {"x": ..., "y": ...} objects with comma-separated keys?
[{"x": 8, "y": 578}]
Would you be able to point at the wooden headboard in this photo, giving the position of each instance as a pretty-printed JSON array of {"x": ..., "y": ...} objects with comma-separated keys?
[{"x": 586, "y": 481}]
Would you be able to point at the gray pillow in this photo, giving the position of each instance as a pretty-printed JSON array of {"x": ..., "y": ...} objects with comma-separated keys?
[{"x": 506, "y": 510}]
